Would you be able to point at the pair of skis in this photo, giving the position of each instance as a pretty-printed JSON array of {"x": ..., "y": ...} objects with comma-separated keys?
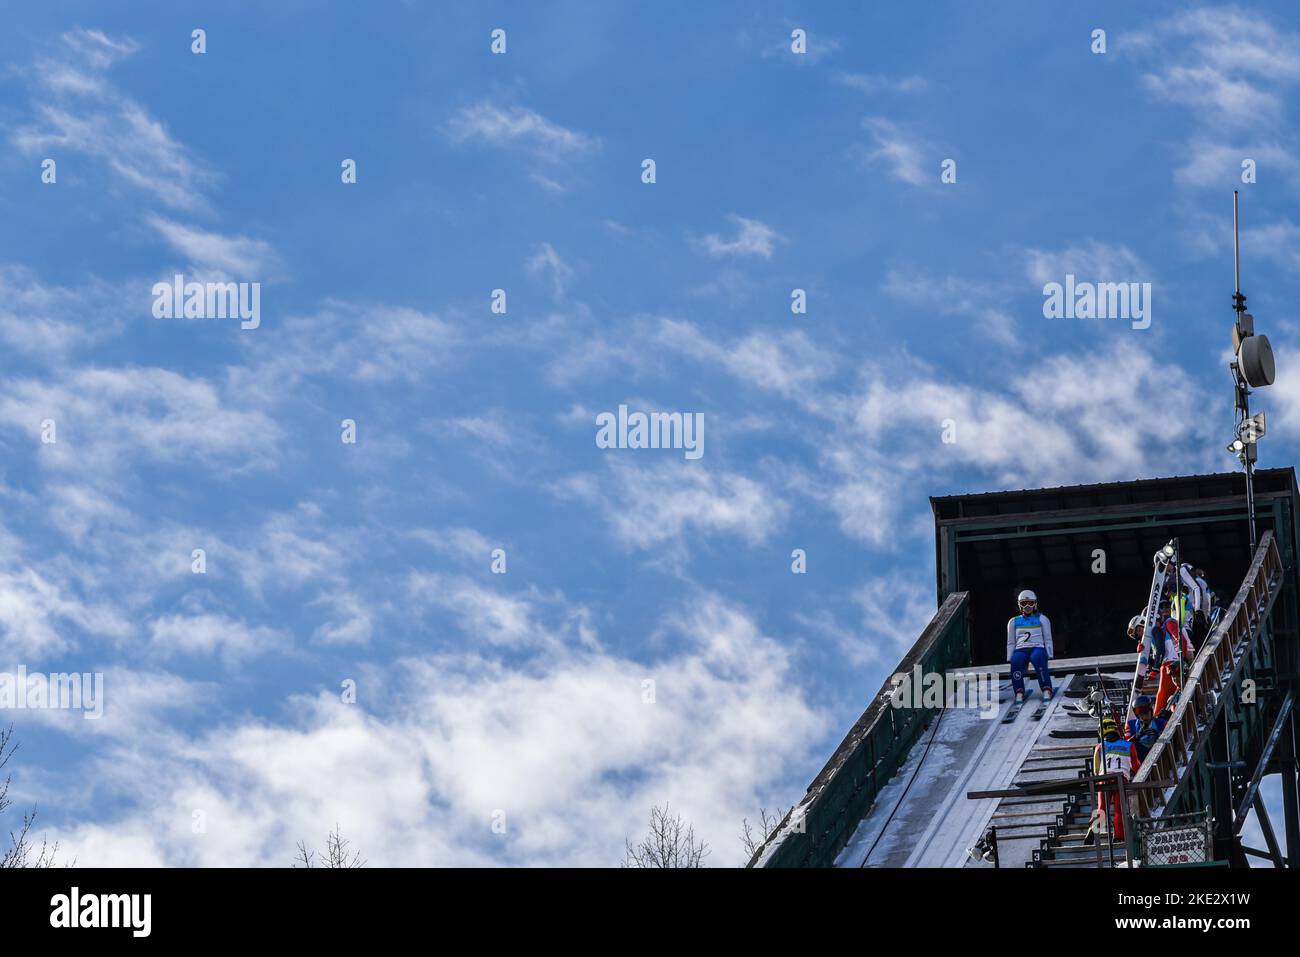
[
  {"x": 1161, "y": 562},
  {"x": 1017, "y": 706}
]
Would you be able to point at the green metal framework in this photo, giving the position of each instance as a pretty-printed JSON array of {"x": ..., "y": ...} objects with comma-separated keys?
[{"x": 816, "y": 830}]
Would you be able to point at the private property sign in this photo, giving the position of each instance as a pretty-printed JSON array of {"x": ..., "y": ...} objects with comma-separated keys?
[{"x": 1176, "y": 845}]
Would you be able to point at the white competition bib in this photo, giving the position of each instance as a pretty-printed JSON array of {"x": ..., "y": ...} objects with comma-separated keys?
[
  {"x": 1116, "y": 763},
  {"x": 1029, "y": 636}
]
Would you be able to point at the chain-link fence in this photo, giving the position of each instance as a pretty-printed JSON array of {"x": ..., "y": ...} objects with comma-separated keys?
[{"x": 1176, "y": 839}]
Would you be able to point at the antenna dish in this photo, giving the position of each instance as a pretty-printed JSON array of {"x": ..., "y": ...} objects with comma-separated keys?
[{"x": 1255, "y": 359}]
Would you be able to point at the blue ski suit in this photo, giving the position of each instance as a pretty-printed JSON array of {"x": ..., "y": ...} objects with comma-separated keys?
[{"x": 1029, "y": 641}]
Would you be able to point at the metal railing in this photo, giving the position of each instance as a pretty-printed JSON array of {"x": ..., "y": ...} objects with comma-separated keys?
[{"x": 1215, "y": 662}]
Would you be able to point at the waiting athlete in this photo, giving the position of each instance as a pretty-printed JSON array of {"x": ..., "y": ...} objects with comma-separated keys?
[
  {"x": 1183, "y": 600},
  {"x": 1204, "y": 605},
  {"x": 1150, "y": 642},
  {"x": 1138, "y": 632},
  {"x": 1029, "y": 641},
  {"x": 1113, "y": 755},
  {"x": 1174, "y": 646},
  {"x": 1145, "y": 728}
]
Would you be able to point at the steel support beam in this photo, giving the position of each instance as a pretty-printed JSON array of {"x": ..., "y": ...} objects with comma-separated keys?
[
  {"x": 1265, "y": 825},
  {"x": 1290, "y": 798},
  {"x": 1282, "y": 723}
]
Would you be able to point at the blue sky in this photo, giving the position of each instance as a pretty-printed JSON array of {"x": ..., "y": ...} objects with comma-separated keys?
[{"x": 518, "y": 697}]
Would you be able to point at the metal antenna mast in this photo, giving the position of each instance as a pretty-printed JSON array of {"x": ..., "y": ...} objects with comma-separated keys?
[
  {"x": 1248, "y": 451},
  {"x": 1252, "y": 368},
  {"x": 1238, "y": 300}
]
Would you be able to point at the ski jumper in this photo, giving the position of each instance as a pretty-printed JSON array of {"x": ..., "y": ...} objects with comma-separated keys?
[
  {"x": 1186, "y": 605},
  {"x": 1029, "y": 641},
  {"x": 1144, "y": 734},
  {"x": 1203, "y": 590},
  {"x": 1175, "y": 647},
  {"x": 1114, "y": 757},
  {"x": 1202, "y": 614}
]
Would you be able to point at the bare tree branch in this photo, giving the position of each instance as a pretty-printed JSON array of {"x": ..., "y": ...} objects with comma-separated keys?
[
  {"x": 335, "y": 856},
  {"x": 671, "y": 842},
  {"x": 22, "y": 851},
  {"x": 767, "y": 823}
]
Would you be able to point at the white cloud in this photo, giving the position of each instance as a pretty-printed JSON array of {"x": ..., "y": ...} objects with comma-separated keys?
[
  {"x": 892, "y": 610},
  {"x": 302, "y": 549},
  {"x": 547, "y": 262},
  {"x": 587, "y": 358},
  {"x": 1091, "y": 260},
  {"x": 467, "y": 544},
  {"x": 1283, "y": 397},
  {"x": 77, "y": 110},
  {"x": 1232, "y": 70},
  {"x": 895, "y": 608},
  {"x": 526, "y": 619},
  {"x": 567, "y": 747},
  {"x": 492, "y": 428},
  {"x": 1218, "y": 164},
  {"x": 136, "y": 703},
  {"x": 46, "y": 323},
  {"x": 548, "y": 184},
  {"x": 1224, "y": 62},
  {"x": 788, "y": 363},
  {"x": 81, "y": 508},
  {"x": 653, "y": 504},
  {"x": 901, "y": 153},
  {"x": 352, "y": 621},
  {"x": 875, "y": 85},
  {"x": 752, "y": 238},
  {"x": 1066, "y": 419},
  {"x": 499, "y": 126},
  {"x": 107, "y": 418},
  {"x": 236, "y": 257},
  {"x": 97, "y": 49},
  {"x": 209, "y": 633},
  {"x": 982, "y": 302},
  {"x": 366, "y": 342},
  {"x": 37, "y": 614},
  {"x": 1278, "y": 242}
]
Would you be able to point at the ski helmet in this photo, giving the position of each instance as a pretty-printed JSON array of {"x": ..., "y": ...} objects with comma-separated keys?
[
  {"x": 1143, "y": 702},
  {"x": 1026, "y": 595},
  {"x": 1108, "y": 726},
  {"x": 1137, "y": 621}
]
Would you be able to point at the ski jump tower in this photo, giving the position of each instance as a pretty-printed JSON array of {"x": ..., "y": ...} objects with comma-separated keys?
[
  {"x": 1234, "y": 724},
  {"x": 901, "y": 790}
]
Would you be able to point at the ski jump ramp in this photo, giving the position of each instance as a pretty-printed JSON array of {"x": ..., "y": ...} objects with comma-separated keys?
[
  {"x": 923, "y": 817},
  {"x": 895, "y": 791}
]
